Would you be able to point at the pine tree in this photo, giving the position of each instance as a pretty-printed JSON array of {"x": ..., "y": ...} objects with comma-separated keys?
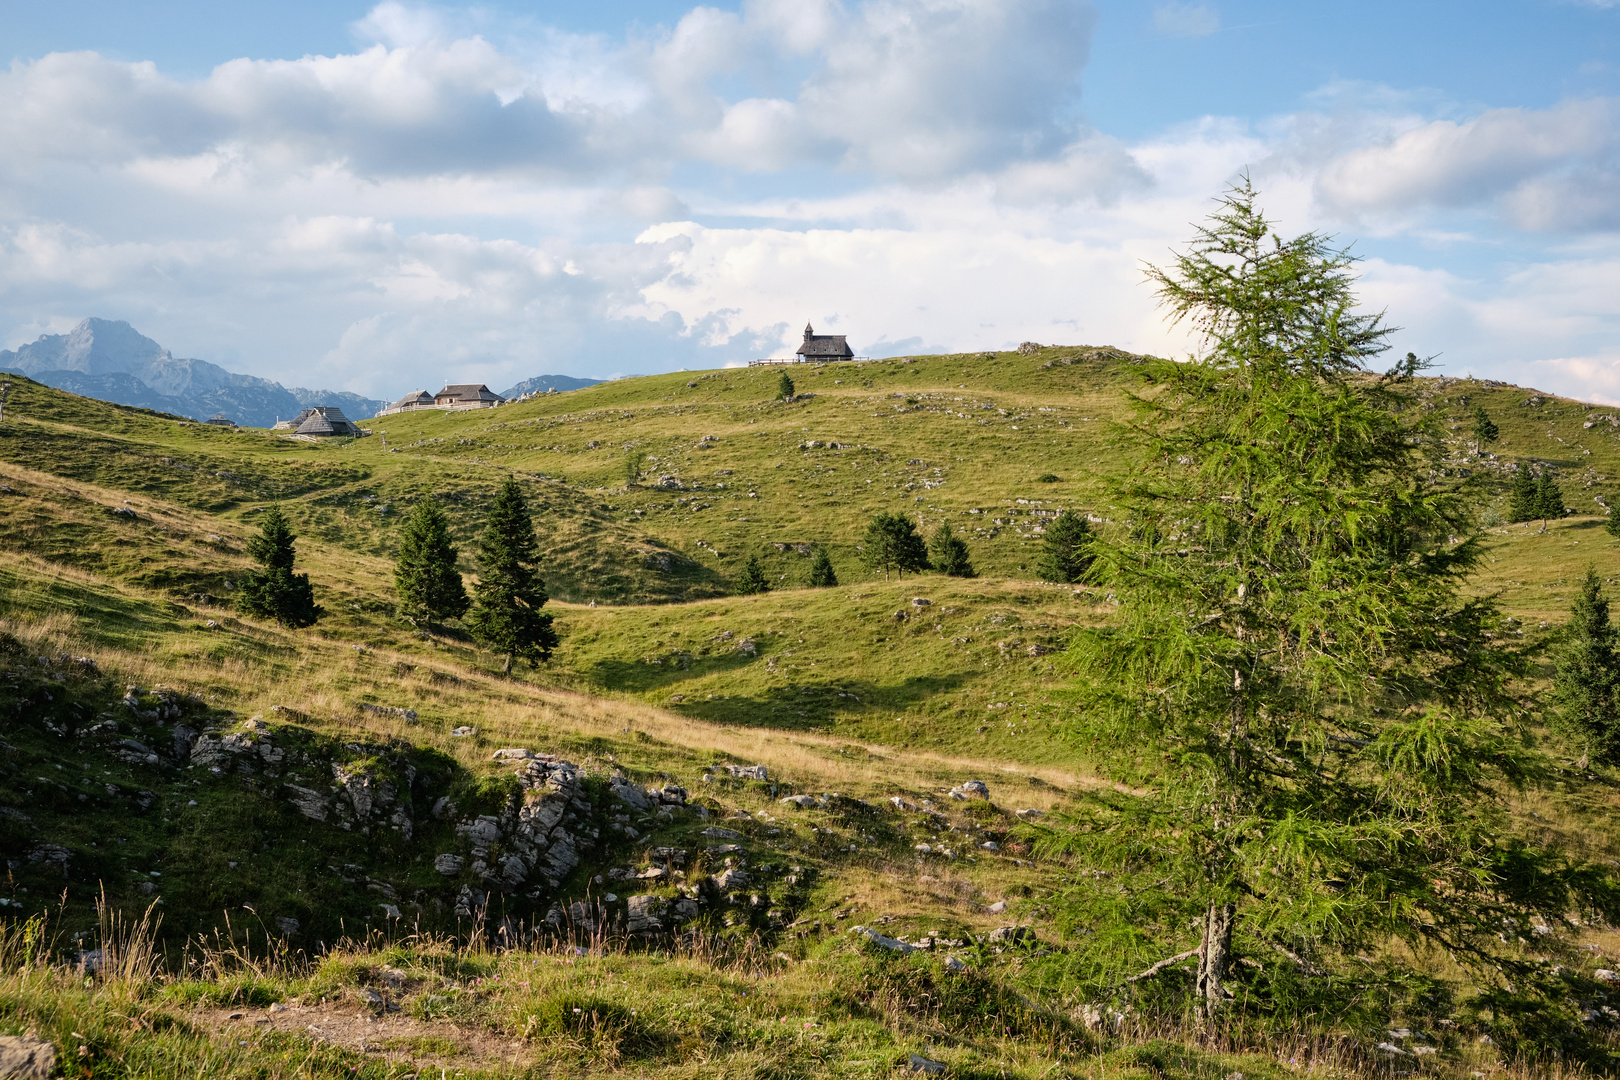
[
  {"x": 753, "y": 578},
  {"x": 274, "y": 591},
  {"x": 425, "y": 574},
  {"x": 949, "y": 553},
  {"x": 1066, "y": 549},
  {"x": 1586, "y": 679},
  {"x": 1549, "y": 499},
  {"x": 821, "y": 570},
  {"x": 891, "y": 542},
  {"x": 1331, "y": 709},
  {"x": 1611, "y": 524},
  {"x": 1485, "y": 430},
  {"x": 1522, "y": 499},
  {"x": 784, "y": 388},
  {"x": 507, "y": 616}
]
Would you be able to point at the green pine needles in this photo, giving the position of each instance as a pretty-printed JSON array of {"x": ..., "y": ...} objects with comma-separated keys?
[
  {"x": 425, "y": 576},
  {"x": 1066, "y": 549},
  {"x": 506, "y": 617},
  {"x": 1535, "y": 496},
  {"x": 753, "y": 578},
  {"x": 1333, "y": 718},
  {"x": 821, "y": 570},
  {"x": 891, "y": 542},
  {"x": 273, "y": 591},
  {"x": 784, "y": 387},
  {"x": 949, "y": 553},
  {"x": 1586, "y": 679},
  {"x": 1485, "y": 429}
]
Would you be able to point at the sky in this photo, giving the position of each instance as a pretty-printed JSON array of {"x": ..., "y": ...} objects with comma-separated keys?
[{"x": 380, "y": 197}]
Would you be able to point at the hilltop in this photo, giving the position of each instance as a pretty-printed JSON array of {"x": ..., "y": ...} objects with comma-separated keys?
[{"x": 370, "y": 776}]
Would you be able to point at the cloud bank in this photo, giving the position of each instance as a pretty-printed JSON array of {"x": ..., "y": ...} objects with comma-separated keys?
[{"x": 452, "y": 199}]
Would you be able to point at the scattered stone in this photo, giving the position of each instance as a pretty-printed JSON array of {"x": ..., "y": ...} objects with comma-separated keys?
[
  {"x": 921, "y": 1064},
  {"x": 1605, "y": 975},
  {"x": 921, "y": 601},
  {"x": 449, "y": 864},
  {"x": 732, "y": 878},
  {"x": 747, "y": 772},
  {"x": 803, "y": 802},
  {"x": 953, "y": 964},
  {"x": 389, "y": 910},
  {"x": 1392, "y": 1050},
  {"x": 644, "y": 912},
  {"x": 628, "y": 793},
  {"x": 718, "y": 833},
  {"x": 997, "y": 908},
  {"x": 886, "y": 942},
  {"x": 973, "y": 789},
  {"x": 407, "y": 715},
  {"x": 462, "y": 732},
  {"x": 1031, "y": 815},
  {"x": 1012, "y": 935},
  {"x": 1028, "y": 348}
]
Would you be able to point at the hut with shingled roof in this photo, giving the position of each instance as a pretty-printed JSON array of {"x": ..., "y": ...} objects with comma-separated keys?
[{"x": 818, "y": 347}]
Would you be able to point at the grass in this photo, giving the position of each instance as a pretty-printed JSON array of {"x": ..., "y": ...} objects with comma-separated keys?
[{"x": 662, "y": 676}]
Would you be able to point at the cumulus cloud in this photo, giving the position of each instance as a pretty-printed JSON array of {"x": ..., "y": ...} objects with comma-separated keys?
[
  {"x": 453, "y": 197},
  {"x": 1544, "y": 169}
]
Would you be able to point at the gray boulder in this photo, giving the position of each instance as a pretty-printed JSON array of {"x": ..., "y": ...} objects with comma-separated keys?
[{"x": 24, "y": 1057}]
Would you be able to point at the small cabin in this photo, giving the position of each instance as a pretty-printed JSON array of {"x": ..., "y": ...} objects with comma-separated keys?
[
  {"x": 467, "y": 396},
  {"x": 817, "y": 347},
  {"x": 219, "y": 419},
  {"x": 321, "y": 422},
  {"x": 416, "y": 399}
]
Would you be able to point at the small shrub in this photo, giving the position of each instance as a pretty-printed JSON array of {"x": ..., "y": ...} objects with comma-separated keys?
[
  {"x": 1049, "y": 478},
  {"x": 599, "y": 1028}
]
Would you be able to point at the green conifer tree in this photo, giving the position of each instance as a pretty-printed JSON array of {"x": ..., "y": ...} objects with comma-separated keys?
[
  {"x": 1485, "y": 429},
  {"x": 753, "y": 578},
  {"x": 1522, "y": 499},
  {"x": 891, "y": 542},
  {"x": 1066, "y": 549},
  {"x": 1586, "y": 678},
  {"x": 784, "y": 387},
  {"x": 949, "y": 553},
  {"x": 507, "y": 617},
  {"x": 274, "y": 591},
  {"x": 821, "y": 570},
  {"x": 425, "y": 575},
  {"x": 634, "y": 462},
  {"x": 1296, "y": 633},
  {"x": 1549, "y": 498},
  {"x": 1611, "y": 524}
]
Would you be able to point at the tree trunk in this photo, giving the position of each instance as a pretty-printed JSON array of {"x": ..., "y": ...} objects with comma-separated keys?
[
  {"x": 1214, "y": 959},
  {"x": 506, "y": 669}
]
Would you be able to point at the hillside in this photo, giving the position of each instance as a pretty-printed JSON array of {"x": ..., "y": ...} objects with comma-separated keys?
[{"x": 332, "y": 788}]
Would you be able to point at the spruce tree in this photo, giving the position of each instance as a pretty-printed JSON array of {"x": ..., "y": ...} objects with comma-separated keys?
[
  {"x": 1522, "y": 499},
  {"x": 1611, "y": 524},
  {"x": 784, "y": 388},
  {"x": 821, "y": 570},
  {"x": 949, "y": 553},
  {"x": 1066, "y": 549},
  {"x": 274, "y": 591},
  {"x": 425, "y": 575},
  {"x": 891, "y": 542},
  {"x": 507, "y": 617},
  {"x": 1586, "y": 678},
  {"x": 1485, "y": 430},
  {"x": 753, "y": 578},
  {"x": 1332, "y": 712},
  {"x": 1549, "y": 499}
]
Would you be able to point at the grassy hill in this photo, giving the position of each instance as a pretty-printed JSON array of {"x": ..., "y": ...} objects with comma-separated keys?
[{"x": 121, "y": 533}]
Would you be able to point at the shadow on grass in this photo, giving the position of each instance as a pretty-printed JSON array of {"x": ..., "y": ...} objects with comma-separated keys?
[{"x": 812, "y": 707}]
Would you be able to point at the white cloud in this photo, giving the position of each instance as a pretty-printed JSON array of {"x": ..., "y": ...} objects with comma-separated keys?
[
  {"x": 1186, "y": 20},
  {"x": 910, "y": 172},
  {"x": 1546, "y": 169}
]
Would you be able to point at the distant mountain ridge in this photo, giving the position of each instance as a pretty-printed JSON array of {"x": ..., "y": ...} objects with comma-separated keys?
[
  {"x": 542, "y": 383},
  {"x": 112, "y": 361}
]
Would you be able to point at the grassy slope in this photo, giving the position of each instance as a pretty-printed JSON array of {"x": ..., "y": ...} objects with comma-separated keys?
[{"x": 838, "y": 695}]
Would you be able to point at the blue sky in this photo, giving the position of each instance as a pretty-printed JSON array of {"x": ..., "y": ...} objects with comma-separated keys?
[{"x": 380, "y": 196}]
